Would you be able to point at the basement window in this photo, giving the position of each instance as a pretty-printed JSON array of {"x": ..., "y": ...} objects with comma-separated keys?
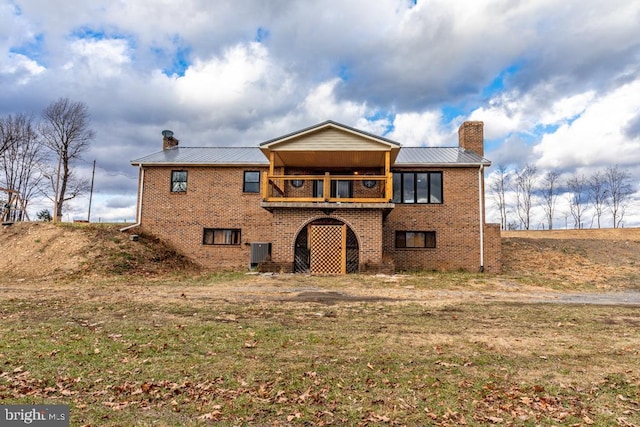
[
  {"x": 221, "y": 236},
  {"x": 178, "y": 181},
  {"x": 415, "y": 239}
]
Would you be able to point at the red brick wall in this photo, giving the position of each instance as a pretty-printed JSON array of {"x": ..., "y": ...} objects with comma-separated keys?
[
  {"x": 366, "y": 223},
  {"x": 471, "y": 136},
  {"x": 492, "y": 248},
  {"x": 456, "y": 222},
  {"x": 214, "y": 199}
]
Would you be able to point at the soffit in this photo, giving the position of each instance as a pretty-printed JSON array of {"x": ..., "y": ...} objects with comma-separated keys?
[{"x": 329, "y": 159}]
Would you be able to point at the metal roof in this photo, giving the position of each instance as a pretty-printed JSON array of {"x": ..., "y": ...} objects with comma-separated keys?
[
  {"x": 229, "y": 156},
  {"x": 237, "y": 156},
  {"x": 454, "y": 156}
]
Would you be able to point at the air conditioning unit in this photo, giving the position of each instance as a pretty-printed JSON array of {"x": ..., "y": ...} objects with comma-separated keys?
[{"x": 260, "y": 252}]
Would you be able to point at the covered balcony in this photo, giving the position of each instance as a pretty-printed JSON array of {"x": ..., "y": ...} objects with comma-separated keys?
[
  {"x": 329, "y": 165},
  {"x": 337, "y": 187}
]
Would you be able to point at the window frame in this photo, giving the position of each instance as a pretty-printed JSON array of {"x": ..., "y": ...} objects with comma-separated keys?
[
  {"x": 404, "y": 179},
  {"x": 235, "y": 236},
  {"x": 318, "y": 189},
  {"x": 401, "y": 238},
  {"x": 245, "y": 182},
  {"x": 174, "y": 181},
  {"x": 338, "y": 185}
]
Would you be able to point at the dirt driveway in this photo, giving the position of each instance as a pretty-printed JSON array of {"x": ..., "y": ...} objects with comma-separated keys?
[
  {"x": 409, "y": 293},
  {"x": 288, "y": 288}
]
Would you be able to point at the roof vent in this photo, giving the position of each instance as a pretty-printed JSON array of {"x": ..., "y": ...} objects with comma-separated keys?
[{"x": 167, "y": 133}]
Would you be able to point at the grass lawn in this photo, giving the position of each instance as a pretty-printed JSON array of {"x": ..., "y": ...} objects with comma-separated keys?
[{"x": 123, "y": 360}]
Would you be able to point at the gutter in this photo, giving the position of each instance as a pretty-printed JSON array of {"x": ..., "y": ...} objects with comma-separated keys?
[
  {"x": 481, "y": 212},
  {"x": 440, "y": 165},
  {"x": 183, "y": 164},
  {"x": 139, "y": 212}
]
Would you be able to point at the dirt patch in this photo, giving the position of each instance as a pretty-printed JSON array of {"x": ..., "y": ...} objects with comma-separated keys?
[
  {"x": 44, "y": 250},
  {"x": 331, "y": 298},
  {"x": 604, "y": 259},
  {"x": 37, "y": 249}
]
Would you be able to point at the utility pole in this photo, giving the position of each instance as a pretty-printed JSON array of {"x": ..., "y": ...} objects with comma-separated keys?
[{"x": 93, "y": 174}]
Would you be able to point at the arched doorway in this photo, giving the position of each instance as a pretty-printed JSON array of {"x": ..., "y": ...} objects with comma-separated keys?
[{"x": 326, "y": 246}]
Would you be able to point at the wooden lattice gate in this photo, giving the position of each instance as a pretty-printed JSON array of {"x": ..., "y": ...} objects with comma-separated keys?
[
  {"x": 328, "y": 244},
  {"x": 326, "y": 256}
]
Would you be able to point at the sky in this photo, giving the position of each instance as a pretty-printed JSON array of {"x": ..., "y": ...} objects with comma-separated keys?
[{"x": 557, "y": 84}]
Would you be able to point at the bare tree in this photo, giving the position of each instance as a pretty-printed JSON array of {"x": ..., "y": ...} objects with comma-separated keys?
[
  {"x": 7, "y": 133},
  {"x": 22, "y": 159},
  {"x": 577, "y": 185},
  {"x": 619, "y": 190},
  {"x": 524, "y": 183},
  {"x": 597, "y": 190},
  {"x": 549, "y": 192},
  {"x": 498, "y": 190},
  {"x": 65, "y": 131}
]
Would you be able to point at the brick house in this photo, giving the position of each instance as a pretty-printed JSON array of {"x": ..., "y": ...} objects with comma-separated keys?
[{"x": 329, "y": 199}]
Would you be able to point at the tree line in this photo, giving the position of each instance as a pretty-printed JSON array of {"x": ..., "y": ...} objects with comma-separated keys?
[
  {"x": 516, "y": 193},
  {"x": 39, "y": 154}
]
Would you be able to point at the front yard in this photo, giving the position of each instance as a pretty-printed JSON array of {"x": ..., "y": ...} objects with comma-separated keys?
[{"x": 234, "y": 349}]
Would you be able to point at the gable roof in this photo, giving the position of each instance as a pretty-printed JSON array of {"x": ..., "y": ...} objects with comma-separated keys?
[
  {"x": 313, "y": 140},
  {"x": 318, "y": 145},
  {"x": 329, "y": 124}
]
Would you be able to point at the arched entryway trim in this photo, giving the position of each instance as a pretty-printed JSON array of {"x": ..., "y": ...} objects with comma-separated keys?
[{"x": 317, "y": 249}]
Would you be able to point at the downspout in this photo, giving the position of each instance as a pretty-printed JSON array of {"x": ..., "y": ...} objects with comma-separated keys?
[
  {"x": 139, "y": 212},
  {"x": 481, "y": 212}
]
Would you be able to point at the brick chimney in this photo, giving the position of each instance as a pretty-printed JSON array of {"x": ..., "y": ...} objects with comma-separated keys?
[
  {"x": 168, "y": 141},
  {"x": 471, "y": 136}
]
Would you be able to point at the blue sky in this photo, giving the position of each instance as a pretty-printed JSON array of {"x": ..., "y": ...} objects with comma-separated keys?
[{"x": 557, "y": 84}]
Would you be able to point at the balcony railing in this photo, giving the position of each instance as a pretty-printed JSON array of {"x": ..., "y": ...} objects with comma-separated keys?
[{"x": 327, "y": 188}]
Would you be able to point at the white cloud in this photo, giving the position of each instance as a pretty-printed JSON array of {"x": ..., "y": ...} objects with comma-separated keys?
[
  {"x": 513, "y": 150},
  {"x": 564, "y": 109},
  {"x": 14, "y": 29},
  {"x": 101, "y": 58},
  {"x": 524, "y": 68},
  {"x": 22, "y": 67},
  {"x": 222, "y": 81},
  {"x": 321, "y": 104},
  {"x": 376, "y": 126},
  {"x": 597, "y": 137},
  {"x": 243, "y": 83},
  {"x": 503, "y": 114},
  {"x": 422, "y": 129}
]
